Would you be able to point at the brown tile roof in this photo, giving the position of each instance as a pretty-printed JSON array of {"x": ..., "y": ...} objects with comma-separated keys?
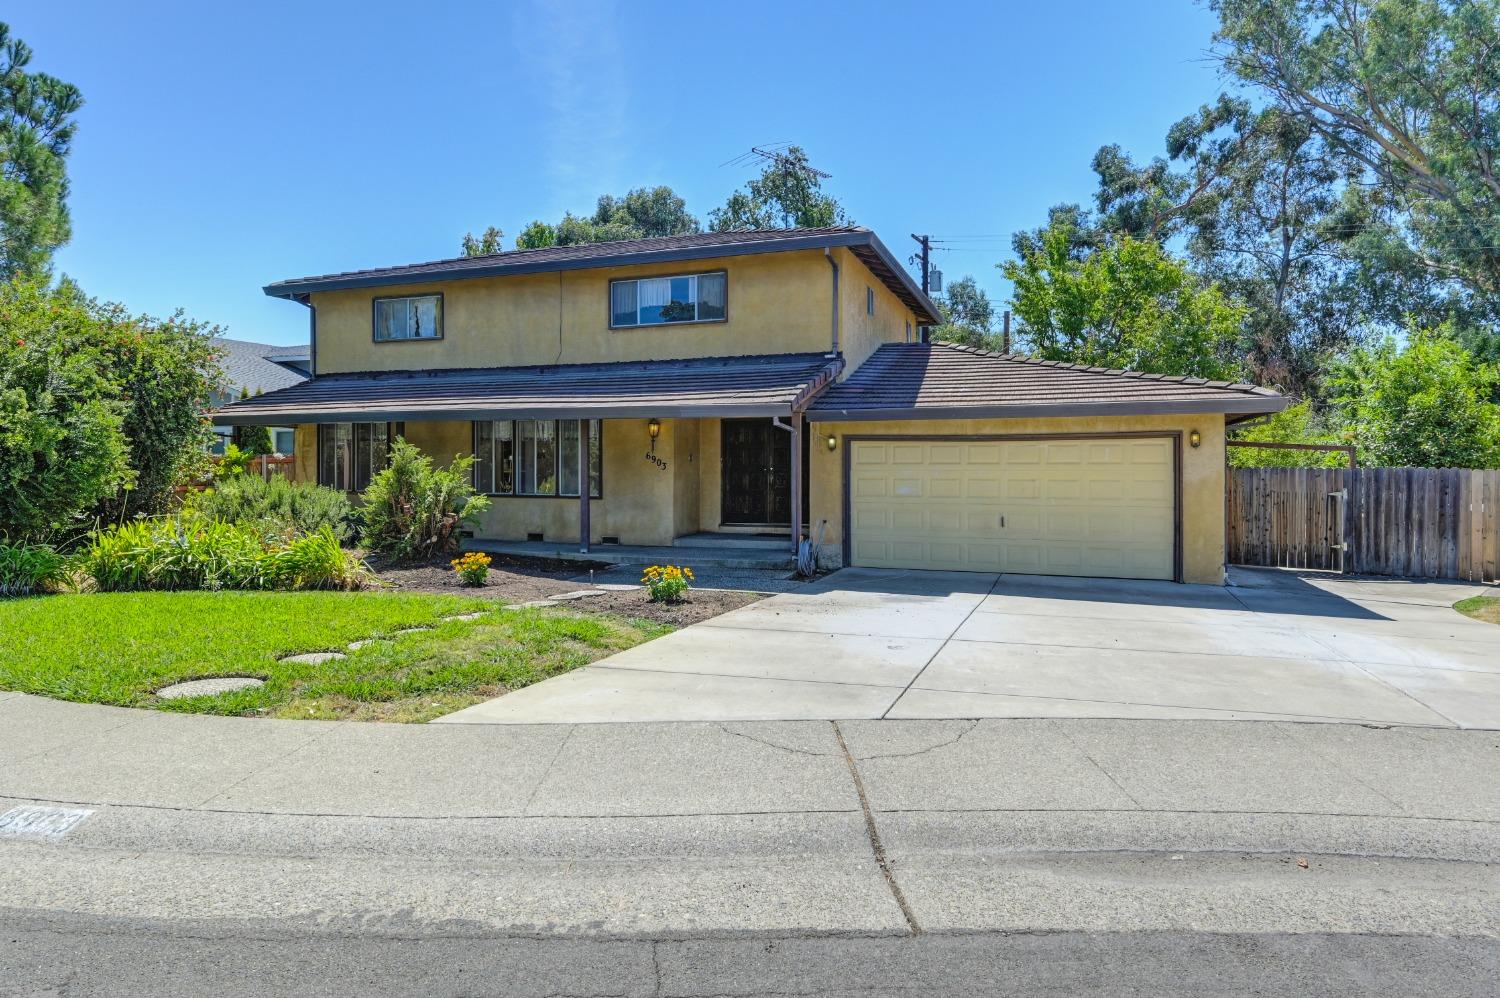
[
  {"x": 947, "y": 381},
  {"x": 863, "y": 243},
  {"x": 713, "y": 386}
]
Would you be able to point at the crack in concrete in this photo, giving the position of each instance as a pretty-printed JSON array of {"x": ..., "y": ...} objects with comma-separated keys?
[
  {"x": 722, "y": 726},
  {"x": 526, "y": 808},
  {"x": 931, "y": 748},
  {"x": 874, "y": 833},
  {"x": 1100, "y": 767}
]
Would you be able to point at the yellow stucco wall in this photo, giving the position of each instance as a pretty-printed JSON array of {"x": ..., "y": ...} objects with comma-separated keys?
[
  {"x": 305, "y": 451},
  {"x": 777, "y": 303},
  {"x": 639, "y": 501},
  {"x": 861, "y": 333},
  {"x": 1202, "y": 475}
]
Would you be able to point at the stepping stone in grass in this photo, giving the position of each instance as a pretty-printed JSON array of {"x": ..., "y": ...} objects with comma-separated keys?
[
  {"x": 467, "y": 616},
  {"x": 357, "y": 645},
  {"x": 577, "y": 594},
  {"x": 205, "y": 687},
  {"x": 528, "y": 606},
  {"x": 315, "y": 657},
  {"x": 410, "y": 630}
]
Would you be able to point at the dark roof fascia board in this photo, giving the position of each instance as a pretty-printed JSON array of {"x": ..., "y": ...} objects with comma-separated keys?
[
  {"x": 297, "y": 288},
  {"x": 375, "y": 414},
  {"x": 1250, "y": 405}
]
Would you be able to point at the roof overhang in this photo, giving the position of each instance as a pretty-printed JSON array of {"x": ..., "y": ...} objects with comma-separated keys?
[
  {"x": 1242, "y": 408},
  {"x": 865, "y": 244},
  {"x": 393, "y": 414},
  {"x": 753, "y": 386}
]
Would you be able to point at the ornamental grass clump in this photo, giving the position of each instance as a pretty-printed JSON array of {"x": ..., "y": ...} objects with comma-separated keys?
[
  {"x": 667, "y": 583},
  {"x": 473, "y": 568},
  {"x": 29, "y": 568}
]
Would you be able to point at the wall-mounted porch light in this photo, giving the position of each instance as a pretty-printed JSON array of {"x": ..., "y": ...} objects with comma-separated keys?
[
  {"x": 1195, "y": 438},
  {"x": 833, "y": 442},
  {"x": 653, "y": 427}
]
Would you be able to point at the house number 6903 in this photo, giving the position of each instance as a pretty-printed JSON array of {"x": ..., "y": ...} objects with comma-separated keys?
[{"x": 656, "y": 461}]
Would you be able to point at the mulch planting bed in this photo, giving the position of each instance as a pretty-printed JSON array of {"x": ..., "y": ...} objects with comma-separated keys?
[{"x": 521, "y": 580}]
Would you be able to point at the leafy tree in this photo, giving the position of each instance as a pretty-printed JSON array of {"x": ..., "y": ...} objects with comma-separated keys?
[
  {"x": 787, "y": 194},
  {"x": 165, "y": 371},
  {"x": 1297, "y": 424},
  {"x": 1128, "y": 305},
  {"x": 491, "y": 240},
  {"x": 62, "y": 439},
  {"x": 642, "y": 213},
  {"x": 412, "y": 508},
  {"x": 536, "y": 235},
  {"x": 1408, "y": 93},
  {"x": 967, "y": 314},
  {"x": 255, "y": 440},
  {"x": 36, "y": 132},
  {"x": 1429, "y": 405}
]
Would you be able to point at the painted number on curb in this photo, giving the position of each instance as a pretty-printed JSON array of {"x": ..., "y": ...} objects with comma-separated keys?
[{"x": 39, "y": 822}]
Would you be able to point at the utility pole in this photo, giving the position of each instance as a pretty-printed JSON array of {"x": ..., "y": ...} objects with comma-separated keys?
[
  {"x": 926, "y": 243},
  {"x": 1005, "y": 340}
]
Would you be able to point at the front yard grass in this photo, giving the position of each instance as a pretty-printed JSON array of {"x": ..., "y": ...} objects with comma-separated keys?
[
  {"x": 1486, "y": 608},
  {"x": 120, "y": 648}
]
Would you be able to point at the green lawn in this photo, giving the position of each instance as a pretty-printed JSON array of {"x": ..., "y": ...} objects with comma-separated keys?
[
  {"x": 119, "y": 648},
  {"x": 1486, "y": 608}
]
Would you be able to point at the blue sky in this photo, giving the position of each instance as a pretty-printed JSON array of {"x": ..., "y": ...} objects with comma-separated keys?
[{"x": 224, "y": 146}]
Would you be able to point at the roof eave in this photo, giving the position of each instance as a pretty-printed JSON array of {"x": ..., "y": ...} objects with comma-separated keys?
[
  {"x": 1248, "y": 406},
  {"x": 302, "y": 286},
  {"x": 634, "y": 410}
]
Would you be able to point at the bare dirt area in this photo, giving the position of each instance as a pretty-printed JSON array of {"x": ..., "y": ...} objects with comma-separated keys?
[{"x": 521, "y": 580}]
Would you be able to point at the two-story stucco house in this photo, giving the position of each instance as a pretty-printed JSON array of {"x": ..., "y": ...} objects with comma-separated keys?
[{"x": 726, "y": 382}]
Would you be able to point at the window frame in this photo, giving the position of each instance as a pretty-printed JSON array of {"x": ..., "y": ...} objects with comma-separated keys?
[
  {"x": 393, "y": 431},
  {"x": 869, "y": 300},
  {"x": 609, "y": 300},
  {"x": 375, "y": 318},
  {"x": 515, "y": 440}
]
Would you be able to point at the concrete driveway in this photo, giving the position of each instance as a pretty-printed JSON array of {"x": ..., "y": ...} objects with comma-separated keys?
[{"x": 875, "y": 644}]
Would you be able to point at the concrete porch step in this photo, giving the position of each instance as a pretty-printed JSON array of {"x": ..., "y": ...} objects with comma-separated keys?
[
  {"x": 750, "y": 558},
  {"x": 725, "y": 541}
]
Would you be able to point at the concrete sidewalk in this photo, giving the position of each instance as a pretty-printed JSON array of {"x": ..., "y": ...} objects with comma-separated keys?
[{"x": 679, "y": 842}]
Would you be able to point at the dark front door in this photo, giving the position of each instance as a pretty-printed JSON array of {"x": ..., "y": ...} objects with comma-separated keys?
[{"x": 757, "y": 486}]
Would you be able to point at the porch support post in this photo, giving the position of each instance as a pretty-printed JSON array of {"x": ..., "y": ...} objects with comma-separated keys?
[
  {"x": 796, "y": 436},
  {"x": 583, "y": 486}
]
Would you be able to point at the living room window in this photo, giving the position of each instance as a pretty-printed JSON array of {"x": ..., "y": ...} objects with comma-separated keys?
[
  {"x": 534, "y": 457},
  {"x": 657, "y": 301},
  {"x": 349, "y": 454},
  {"x": 415, "y": 318}
]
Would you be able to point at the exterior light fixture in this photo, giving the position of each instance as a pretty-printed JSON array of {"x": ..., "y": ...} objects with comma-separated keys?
[
  {"x": 653, "y": 427},
  {"x": 833, "y": 442},
  {"x": 1195, "y": 438}
]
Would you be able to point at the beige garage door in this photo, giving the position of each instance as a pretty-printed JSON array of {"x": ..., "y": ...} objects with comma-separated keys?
[{"x": 1096, "y": 507}]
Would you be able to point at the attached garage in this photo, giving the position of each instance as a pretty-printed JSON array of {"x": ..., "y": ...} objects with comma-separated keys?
[
  {"x": 1060, "y": 505},
  {"x": 949, "y": 458}
]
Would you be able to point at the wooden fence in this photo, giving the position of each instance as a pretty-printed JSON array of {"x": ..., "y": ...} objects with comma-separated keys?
[{"x": 1441, "y": 523}]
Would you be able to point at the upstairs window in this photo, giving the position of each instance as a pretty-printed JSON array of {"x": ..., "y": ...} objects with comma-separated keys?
[
  {"x": 658, "y": 301},
  {"x": 416, "y": 318}
]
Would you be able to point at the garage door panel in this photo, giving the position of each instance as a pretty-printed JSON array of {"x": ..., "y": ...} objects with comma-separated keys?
[{"x": 1071, "y": 507}]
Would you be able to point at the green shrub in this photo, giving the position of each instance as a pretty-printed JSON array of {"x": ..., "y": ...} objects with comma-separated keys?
[
  {"x": 276, "y": 508},
  {"x": 193, "y": 552},
  {"x": 232, "y": 463},
  {"x": 28, "y": 568},
  {"x": 412, "y": 509}
]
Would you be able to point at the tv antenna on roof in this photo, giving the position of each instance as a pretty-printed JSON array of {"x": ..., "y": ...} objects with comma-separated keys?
[{"x": 776, "y": 154}]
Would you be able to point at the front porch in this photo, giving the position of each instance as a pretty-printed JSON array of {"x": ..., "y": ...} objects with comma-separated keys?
[{"x": 727, "y": 552}]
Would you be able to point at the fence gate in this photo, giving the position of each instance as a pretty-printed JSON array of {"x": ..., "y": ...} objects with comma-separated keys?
[{"x": 1412, "y": 522}]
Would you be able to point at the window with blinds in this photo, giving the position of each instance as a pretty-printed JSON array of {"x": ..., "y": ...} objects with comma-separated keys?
[{"x": 657, "y": 301}]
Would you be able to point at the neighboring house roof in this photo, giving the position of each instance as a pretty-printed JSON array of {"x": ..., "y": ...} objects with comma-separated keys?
[
  {"x": 863, "y": 243},
  {"x": 718, "y": 386},
  {"x": 947, "y": 381},
  {"x": 250, "y": 366}
]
